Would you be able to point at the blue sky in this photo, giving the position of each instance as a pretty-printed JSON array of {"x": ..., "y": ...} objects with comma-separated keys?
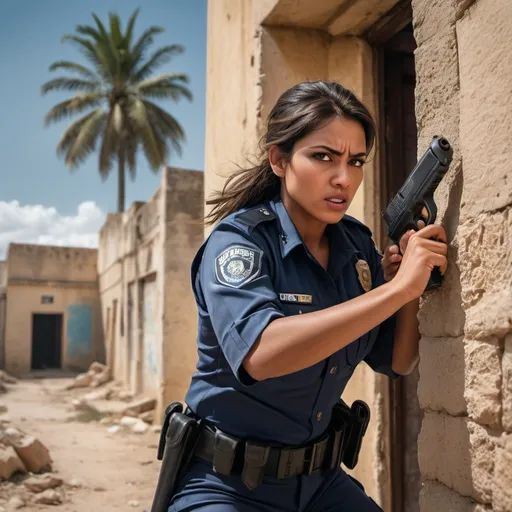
[{"x": 32, "y": 175}]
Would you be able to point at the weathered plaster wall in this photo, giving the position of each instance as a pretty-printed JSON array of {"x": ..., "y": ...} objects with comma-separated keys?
[
  {"x": 144, "y": 272},
  {"x": 182, "y": 234},
  {"x": 3, "y": 277},
  {"x": 464, "y": 75},
  {"x": 69, "y": 276}
]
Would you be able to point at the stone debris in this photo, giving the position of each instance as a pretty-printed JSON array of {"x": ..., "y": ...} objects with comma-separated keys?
[
  {"x": 41, "y": 483},
  {"x": 147, "y": 417},
  {"x": 140, "y": 427},
  {"x": 128, "y": 421},
  {"x": 133, "y": 503},
  {"x": 75, "y": 483},
  {"x": 34, "y": 454},
  {"x": 114, "y": 429},
  {"x": 97, "y": 375},
  {"x": 49, "y": 497},
  {"x": 156, "y": 429},
  {"x": 6, "y": 378},
  {"x": 10, "y": 463},
  {"x": 15, "y": 503},
  {"x": 139, "y": 407},
  {"x": 101, "y": 394}
]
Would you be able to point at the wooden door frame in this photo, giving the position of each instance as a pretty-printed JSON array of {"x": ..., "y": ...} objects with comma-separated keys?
[{"x": 377, "y": 35}]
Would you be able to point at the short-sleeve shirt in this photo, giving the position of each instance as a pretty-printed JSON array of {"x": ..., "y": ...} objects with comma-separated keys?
[{"x": 254, "y": 269}]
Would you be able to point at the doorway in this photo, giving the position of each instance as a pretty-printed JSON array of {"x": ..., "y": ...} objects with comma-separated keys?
[
  {"x": 394, "y": 43},
  {"x": 46, "y": 341}
]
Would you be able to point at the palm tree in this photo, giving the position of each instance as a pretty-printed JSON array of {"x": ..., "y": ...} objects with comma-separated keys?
[{"x": 116, "y": 92}]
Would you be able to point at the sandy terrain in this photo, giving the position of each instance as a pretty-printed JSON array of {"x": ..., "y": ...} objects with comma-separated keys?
[{"x": 114, "y": 471}]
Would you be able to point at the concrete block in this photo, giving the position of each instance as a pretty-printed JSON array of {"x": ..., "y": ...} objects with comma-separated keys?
[
  {"x": 502, "y": 485},
  {"x": 482, "y": 389},
  {"x": 483, "y": 37},
  {"x": 459, "y": 453},
  {"x": 506, "y": 368},
  {"x": 437, "y": 78},
  {"x": 441, "y": 385},
  {"x": 484, "y": 245},
  {"x": 435, "y": 496}
]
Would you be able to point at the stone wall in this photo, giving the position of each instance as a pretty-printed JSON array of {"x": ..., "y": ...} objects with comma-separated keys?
[
  {"x": 3, "y": 277},
  {"x": 464, "y": 73}
]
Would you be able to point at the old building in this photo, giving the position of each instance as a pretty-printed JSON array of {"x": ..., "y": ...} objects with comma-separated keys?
[
  {"x": 144, "y": 277},
  {"x": 439, "y": 439},
  {"x": 50, "y": 315}
]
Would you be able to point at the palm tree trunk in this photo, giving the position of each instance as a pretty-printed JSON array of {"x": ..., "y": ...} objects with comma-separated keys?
[{"x": 120, "y": 182}]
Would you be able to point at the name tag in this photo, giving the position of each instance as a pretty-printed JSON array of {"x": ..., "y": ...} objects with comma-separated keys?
[{"x": 296, "y": 298}]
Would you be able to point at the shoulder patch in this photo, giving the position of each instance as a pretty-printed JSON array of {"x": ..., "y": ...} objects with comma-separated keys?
[
  {"x": 354, "y": 222},
  {"x": 237, "y": 266},
  {"x": 255, "y": 216}
]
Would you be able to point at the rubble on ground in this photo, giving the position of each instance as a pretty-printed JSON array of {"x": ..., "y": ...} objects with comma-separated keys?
[
  {"x": 97, "y": 375},
  {"x": 25, "y": 466},
  {"x": 5, "y": 381}
]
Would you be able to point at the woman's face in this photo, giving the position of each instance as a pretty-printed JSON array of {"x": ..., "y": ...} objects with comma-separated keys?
[{"x": 325, "y": 170}]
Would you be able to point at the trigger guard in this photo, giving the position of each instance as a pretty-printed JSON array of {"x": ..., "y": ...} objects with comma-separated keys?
[{"x": 431, "y": 208}]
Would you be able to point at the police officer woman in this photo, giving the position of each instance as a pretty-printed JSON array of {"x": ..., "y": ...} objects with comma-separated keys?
[{"x": 292, "y": 295}]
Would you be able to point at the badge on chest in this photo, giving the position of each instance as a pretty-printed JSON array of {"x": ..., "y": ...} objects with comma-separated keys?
[{"x": 364, "y": 275}]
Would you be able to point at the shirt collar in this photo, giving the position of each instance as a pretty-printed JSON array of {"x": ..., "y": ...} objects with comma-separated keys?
[{"x": 342, "y": 244}]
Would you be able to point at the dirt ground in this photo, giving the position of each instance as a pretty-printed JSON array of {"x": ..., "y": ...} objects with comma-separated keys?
[{"x": 101, "y": 471}]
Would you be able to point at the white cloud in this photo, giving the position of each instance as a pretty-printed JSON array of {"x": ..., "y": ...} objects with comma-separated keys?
[{"x": 37, "y": 224}]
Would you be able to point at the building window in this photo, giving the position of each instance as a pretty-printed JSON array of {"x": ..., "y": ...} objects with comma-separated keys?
[{"x": 46, "y": 299}]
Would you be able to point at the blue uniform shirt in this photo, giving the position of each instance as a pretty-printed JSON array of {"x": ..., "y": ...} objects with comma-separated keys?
[{"x": 254, "y": 268}]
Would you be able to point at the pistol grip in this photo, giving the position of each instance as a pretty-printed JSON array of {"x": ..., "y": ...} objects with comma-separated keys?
[{"x": 436, "y": 279}]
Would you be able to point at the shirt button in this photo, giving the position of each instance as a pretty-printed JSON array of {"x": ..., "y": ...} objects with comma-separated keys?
[
  {"x": 319, "y": 416},
  {"x": 333, "y": 370}
]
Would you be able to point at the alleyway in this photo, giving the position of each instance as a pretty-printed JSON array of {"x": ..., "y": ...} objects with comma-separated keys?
[{"x": 101, "y": 470}]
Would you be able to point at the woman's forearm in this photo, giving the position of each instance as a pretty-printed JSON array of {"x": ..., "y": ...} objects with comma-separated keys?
[
  {"x": 296, "y": 342},
  {"x": 407, "y": 337}
]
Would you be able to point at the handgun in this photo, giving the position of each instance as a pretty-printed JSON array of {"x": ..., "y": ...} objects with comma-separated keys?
[{"x": 404, "y": 210}]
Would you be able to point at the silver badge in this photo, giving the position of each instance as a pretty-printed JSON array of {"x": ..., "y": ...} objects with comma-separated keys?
[
  {"x": 364, "y": 274},
  {"x": 237, "y": 266}
]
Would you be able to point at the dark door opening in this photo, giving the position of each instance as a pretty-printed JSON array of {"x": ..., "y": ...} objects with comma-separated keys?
[
  {"x": 399, "y": 158},
  {"x": 46, "y": 341}
]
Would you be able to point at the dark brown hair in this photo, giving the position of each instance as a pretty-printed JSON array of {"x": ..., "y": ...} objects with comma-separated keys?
[{"x": 299, "y": 111}]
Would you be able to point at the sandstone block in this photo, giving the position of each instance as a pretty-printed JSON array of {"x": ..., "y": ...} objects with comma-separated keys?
[
  {"x": 441, "y": 384},
  {"x": 483, "y": 249},
  {"x": 15, "y": 503},
  {"x": 492, "y": 315},
  {"x": 49, "y": 497},
  {"x": 34, "y": 454},
  {"x": 97, "y": 367},
  {"x": 483, "y": 378},
  {"x": 38, "y": 484},
  {"x": 143, "y": 405},
  {"x": 506, "y": 365},
  {"x": 441, "y": 312},
  {"x": 458, "y": 453},
  {"x": 83, "y": 380},
  {"x": 437, "y": 78},
  {"x": 432, "y": 17},
  {"x": 10, "y": 463},
  {"x": 435, "y": 497},
  {"x": 502, "y": 485},
  {"x": 483, "y": 36}
]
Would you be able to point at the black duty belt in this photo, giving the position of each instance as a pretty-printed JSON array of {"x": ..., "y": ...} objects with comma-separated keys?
[{"x": 230, "y": 455}]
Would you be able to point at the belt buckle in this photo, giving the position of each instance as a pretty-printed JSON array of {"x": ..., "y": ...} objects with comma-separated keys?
[{"x": 309, "y": 461}]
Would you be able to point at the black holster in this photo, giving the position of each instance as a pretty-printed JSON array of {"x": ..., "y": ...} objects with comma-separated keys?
[
  {"x": 355, "y": 420},
  {"x": 177, "y": 441}
]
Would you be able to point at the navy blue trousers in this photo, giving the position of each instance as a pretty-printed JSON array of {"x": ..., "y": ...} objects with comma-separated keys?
[{"x": 201, "y": 489}]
